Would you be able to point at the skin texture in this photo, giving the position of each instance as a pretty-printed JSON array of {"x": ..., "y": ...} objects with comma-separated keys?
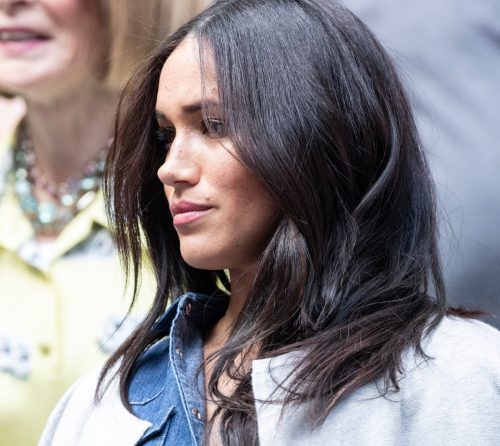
[
  {"x": 67, "y": 48},
  {"x": 68, "y": 109},
  {"x": 203, "y": 168}
]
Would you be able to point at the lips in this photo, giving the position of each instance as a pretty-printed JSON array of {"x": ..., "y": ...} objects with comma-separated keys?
[
  {"x": 185, "y": 212},
  {"x": 18, "y": 42},
  {"x": 20, "y": 35}
]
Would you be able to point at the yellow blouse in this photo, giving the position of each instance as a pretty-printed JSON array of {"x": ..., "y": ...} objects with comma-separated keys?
[{"x": 60, "y": 309}]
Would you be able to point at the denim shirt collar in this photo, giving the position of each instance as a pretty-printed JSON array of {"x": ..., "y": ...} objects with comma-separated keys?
[
  {"x": 203, "y": 310},
  {"x": 166, "y": 386}
]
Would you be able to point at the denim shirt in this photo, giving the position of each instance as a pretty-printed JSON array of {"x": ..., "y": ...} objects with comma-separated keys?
[
  {"x": 450, "y": 398},
  {"x": 167, "y": 388}
]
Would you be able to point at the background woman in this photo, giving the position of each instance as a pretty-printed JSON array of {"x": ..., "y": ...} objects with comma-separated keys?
[
  {"x": 280, "y": 135},
  {"x": 61, "y": 287}
]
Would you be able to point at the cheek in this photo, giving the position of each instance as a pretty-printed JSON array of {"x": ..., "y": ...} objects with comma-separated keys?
[
  {"x": 262, "y": 216},
  {"x": 254, "y": 212},
  {"x": 65, "y": 11},
  {"x": 169, "y": 191},
  {"x": 246, "y": 196},
  {"x": 80, "y": 20}
]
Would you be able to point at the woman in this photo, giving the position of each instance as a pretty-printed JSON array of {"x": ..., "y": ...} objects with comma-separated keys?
[
  {"x": 61, "y": 286},
  {"x": 272, "y": 139}
]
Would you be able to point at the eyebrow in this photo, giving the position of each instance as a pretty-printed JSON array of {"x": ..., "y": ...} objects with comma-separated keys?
[{"x": 191, "y": 108}]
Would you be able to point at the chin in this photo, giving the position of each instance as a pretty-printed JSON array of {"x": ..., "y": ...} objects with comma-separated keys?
[
  {"x": 200, "y": 253},
  {"x": 202, "y": 263},
  {"x": 198, "y": 257}
]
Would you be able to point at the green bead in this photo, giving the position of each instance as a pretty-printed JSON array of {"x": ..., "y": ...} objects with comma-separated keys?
[{"x": 47, "y": 213}]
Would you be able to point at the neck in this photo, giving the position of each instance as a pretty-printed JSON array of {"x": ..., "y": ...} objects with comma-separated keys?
[
  {"x": 70, "y": 131},
  {"x": 241, "y": 283}
]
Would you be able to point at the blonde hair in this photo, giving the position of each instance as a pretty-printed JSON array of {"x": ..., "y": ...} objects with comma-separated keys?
[{"x": 135, "y": 27}]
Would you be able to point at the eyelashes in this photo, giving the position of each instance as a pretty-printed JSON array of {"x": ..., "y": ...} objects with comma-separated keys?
[
  {"x": 165, "y": 137},
  {"x": 214, "y": 128},
  {"x": 211, "y": 128}
]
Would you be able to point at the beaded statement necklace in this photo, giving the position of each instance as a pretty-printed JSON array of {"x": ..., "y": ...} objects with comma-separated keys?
[{"x": 68, "y": 198}]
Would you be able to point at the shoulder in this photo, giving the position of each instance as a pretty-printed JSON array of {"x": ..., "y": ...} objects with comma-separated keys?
[
  {"x": 459, "y": 348},
  {"x": 448, "y": 398},
  {"x": 453, "y": 331},
  {"x": 72, "y": 410},
  {"x": 79, "y": 419},
  {"x": 452, "y": 396}
]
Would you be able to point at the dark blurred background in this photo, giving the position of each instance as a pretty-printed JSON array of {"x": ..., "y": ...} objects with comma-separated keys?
[{"x": 448, "y": 53}]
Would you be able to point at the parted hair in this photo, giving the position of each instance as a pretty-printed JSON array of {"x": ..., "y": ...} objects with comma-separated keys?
[
  {"x": 135, "y": 27},
  {"x": 131, "y": 30},
  {"x": 351, "y": 275}
]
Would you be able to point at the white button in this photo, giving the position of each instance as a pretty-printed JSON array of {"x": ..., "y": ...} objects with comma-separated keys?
[{"x": 197, "y": 413}]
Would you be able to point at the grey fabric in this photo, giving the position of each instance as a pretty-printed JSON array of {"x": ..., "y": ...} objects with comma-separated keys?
[
  {"x": 78, "y": 421},
  {"x": 448, "y": 52},
  {"x": 452, "y": 399}
]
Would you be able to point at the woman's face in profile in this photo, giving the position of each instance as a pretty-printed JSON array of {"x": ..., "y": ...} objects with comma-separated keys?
[
  {"x": 222, "y": 214},
  {"x": 49, "y": 46}
]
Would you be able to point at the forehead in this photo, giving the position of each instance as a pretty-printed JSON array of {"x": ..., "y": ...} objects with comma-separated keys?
[{"x": 181, "y": 77}]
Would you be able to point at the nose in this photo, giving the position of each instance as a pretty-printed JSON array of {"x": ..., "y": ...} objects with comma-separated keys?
[
  {"x": 180, "y": 168},
  {"x": 10, "y": 5}
]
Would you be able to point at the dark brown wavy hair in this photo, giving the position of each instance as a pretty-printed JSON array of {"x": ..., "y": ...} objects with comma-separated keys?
[{"x": 316, "y": 112}]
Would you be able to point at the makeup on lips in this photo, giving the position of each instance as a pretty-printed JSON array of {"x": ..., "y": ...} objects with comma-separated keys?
[
  {"x": 15, "y": 41},
  {"x": 185, "y": 212}
]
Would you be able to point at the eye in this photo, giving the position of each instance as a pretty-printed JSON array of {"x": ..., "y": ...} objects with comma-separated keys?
[
  {"x": 165, "y": 137},
  {"x": 214, "y": 128}
]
